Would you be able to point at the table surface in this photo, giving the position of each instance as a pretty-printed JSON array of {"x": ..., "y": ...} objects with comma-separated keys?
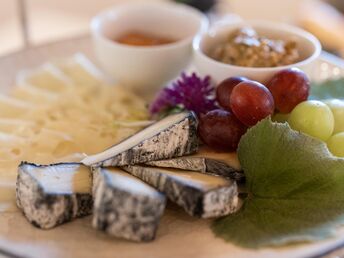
[{"x": 179, "y": 235}]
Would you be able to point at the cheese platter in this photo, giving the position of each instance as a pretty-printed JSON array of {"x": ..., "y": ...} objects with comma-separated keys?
[{"x": 88, "y": 169}]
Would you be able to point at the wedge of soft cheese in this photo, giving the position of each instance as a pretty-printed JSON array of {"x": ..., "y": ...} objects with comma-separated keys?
[
  {"x": 54, "y": 194},
  {"x": 124, "y": 206},
  {"x": 199, "y": 194},
  {"x": 206, "y": 161},
  {"x": 173, "y": 136}
]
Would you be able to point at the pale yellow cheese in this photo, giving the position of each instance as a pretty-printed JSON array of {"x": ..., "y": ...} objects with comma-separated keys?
[
  {"x": 61, "y": 111},
  {"x": 33, "y": 94},
  {"x": 80, "y": 71},
  {"x": 13, "y": 108},
  {"x": 45, "y": 77},
  {"x": 10, "y": 125},
  {"x": 7, "y": 196},
  {"x": 230, "y": 158},
  {"x": 195, "y": 178}
]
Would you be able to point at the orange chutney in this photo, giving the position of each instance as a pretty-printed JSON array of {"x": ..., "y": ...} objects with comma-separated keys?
[{"x": 143, "y": 39}]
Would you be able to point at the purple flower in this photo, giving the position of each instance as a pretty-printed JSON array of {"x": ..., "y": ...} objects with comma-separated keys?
[
  {"x": 190, "y": 92},
  {"x": 161, "y": 103}
]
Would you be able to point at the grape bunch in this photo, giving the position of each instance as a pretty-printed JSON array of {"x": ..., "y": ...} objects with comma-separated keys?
[
  {"x": 323, "y": 120},
  {"x": 246, "y": 102}
]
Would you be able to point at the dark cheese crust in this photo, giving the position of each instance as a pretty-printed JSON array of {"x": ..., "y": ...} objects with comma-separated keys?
[
  {"x": 122, "y": 213},
  {"x": 47, "y": 210},
  {"x": 219, "y": 168},
  {"x": 195, "y": 201},
  {"x": 203, "y": 165},
  {"x": 178, "y": 140}
]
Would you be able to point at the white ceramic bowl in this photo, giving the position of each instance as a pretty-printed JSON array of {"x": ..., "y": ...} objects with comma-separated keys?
[
  {"x": 309, "y": 47},
  {"x": 144, "y": 69}
]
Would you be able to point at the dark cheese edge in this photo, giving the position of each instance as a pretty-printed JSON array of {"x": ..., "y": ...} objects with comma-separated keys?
[
  {"x": 108, "y": 205},
  {"x": 209, "y": 166},
  {"x": 23, "y": 163},
  {"x": 133, "y": 156},
  {"x": 192, "y": 197},
  {"x": 84, "y": 201},
  {"x": 220, "y": 168}
]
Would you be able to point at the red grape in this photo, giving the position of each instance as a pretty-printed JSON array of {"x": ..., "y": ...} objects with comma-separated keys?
[
  {"x": 221, "y": 130},
  {"x": 224, "y": 91},
  {"x": 289, "y": 88},
  {"x": 251, "y": 102}
]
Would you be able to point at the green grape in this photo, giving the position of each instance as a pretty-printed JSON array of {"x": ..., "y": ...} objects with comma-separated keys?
[
  {"x": 313, "y": 118},
  {"x": 336, "y": 145},
  {"x": 280, "y": 118},
  {"x": 337, "y": 108}
]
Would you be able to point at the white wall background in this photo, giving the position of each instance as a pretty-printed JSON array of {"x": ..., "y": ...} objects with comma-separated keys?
[
  {"x": 48, "y": 19},
  {"x": 56, "y": 19}
]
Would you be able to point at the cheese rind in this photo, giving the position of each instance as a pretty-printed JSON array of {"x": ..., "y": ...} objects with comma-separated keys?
[
  {"x": 45, "y": 208},
  {"x": 201, "y": 164},
  {"x": 198, "y": 194},
  {"x": 219, "y": 164},
  {"x": 173, "y": 136},
  {"x": 124, "y": 206}
]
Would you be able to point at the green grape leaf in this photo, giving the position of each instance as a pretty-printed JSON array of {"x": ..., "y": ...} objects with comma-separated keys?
[
  {"x": 295, "y": 189},
  {"x": 333, "y": 89}
]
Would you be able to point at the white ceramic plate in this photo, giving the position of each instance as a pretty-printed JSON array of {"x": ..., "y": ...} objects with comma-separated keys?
[{"x": 179, "y": 235}]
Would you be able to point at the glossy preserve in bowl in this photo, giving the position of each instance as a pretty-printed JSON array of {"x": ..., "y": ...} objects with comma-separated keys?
[{"x": 146, "y": 68}]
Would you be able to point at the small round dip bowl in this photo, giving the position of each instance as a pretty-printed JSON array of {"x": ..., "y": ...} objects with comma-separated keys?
[
  {"x": 308, "y": 47},
  {"x": 146, "y": 68}
]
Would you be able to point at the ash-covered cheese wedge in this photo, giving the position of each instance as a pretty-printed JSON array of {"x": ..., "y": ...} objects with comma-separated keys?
[
  {"x": 173, "y": 136},
  {"x": 124, "y": 206},
  {"x": 206, "y": 161},
  {"x": 199, "y": 194},
  {"x": 50, "y": 195}
]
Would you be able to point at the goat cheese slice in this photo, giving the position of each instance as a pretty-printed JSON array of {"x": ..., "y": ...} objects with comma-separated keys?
[
  {"x": 200, "y": 195},
  {"x": 173, "y": 136},
  {"x": 206, "y": 161},
  {"x": 50, "y": 195},
  {"x": 126, "y": 207}
]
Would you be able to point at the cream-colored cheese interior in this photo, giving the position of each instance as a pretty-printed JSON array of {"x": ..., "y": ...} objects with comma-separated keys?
[
  {"x": 146, "y": 133},
  {"x": 128, "y": 182},
  {"x": 230, "y": 158},
  {"x": 65, "y": 178},
  {"x": 194, "y": 178}
]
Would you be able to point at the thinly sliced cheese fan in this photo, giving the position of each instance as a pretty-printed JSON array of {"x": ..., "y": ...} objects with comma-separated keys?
[{"x": 61, "y": 111}]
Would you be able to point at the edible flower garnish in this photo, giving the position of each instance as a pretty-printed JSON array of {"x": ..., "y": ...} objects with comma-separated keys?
[{"x": 188, "y": 92}]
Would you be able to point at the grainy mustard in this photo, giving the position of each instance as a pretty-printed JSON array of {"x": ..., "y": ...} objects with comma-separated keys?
[{"x": 244, "y": 47}]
